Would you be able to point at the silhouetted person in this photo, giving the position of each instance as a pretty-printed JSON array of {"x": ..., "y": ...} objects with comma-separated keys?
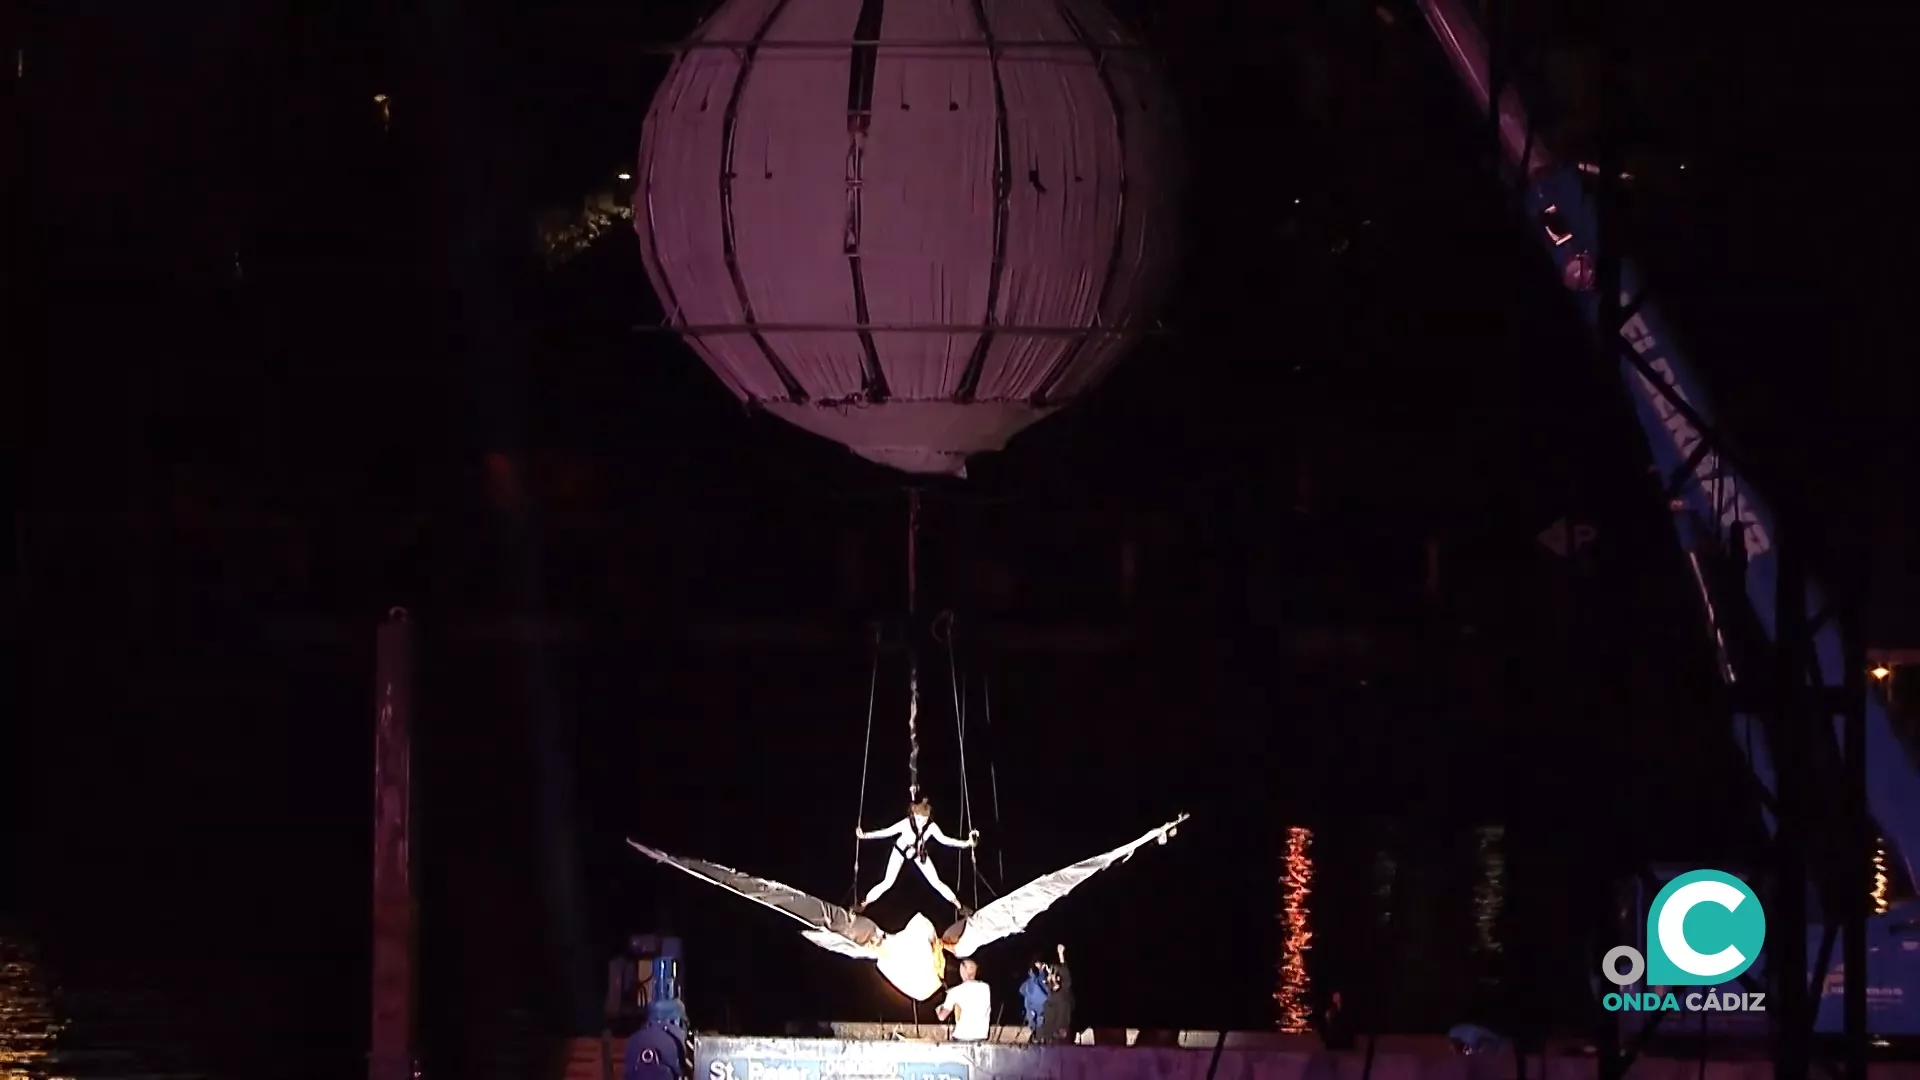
[
  {"x": 1334, "y": 1025},
  {"x": 1056, "y": 1016}
]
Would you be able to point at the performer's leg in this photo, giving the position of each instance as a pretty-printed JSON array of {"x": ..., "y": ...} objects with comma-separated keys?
[
  {"x": 932, "y": 874},
  {"x": 894, "y": 860}
]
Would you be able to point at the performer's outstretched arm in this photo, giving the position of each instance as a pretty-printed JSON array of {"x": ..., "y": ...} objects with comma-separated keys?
[
  {"x": 894, "y": 829},
  {"x": 939, "y": 837}
]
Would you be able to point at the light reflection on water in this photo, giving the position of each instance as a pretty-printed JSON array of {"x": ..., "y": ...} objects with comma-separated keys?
[
  {"x": 29, "y": 1026},
  {"x": 1489, "y": 897},
  {"x": 47, "y": 1033},
  {"x": 1385, "y": 869}
]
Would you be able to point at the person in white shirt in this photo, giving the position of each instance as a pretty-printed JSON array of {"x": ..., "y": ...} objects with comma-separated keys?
[
  {"x": 970, "y": 1004},
  {"x": 910, "y": 836}
]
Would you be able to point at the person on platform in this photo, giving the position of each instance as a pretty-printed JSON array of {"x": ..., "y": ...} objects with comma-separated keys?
[
  {"x": 1334, "y": 1025},
  {"x": 1033, "y": 999},
  {"x": 970, "y": 1004},
  {"x": 1470, "y": 1039},
  {"x": 910, "y": 836},
  {"x": 1056, "y": 1016}
]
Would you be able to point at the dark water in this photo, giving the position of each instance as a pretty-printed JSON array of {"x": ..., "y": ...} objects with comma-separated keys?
[
  {"x": 124, "y": 1020},
  {"x": 30, "y": 1024},
  {"x": 1420, "y": 933},
  {"x": 48, "y": 1030},
  {"x": 1304, "y": 978},
  {"x": 196, "y": 891}
]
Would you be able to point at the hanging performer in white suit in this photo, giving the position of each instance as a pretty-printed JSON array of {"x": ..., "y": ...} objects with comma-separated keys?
[
  {"x": 910, "y": 836},
  {"x": 914, "y": 959}
]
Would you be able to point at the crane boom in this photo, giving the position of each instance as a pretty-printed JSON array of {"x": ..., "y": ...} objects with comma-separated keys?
[{"x": 1717, "y": 513}]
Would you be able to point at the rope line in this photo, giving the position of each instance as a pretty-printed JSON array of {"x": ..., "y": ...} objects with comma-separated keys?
[
  {"x": 913, "y": 735},
  {"x": 993, "y": 774},
  {"x": 943, "y": 632},
  {"x": 913, "y": 652},
  {"x": 866, "y": 758}
]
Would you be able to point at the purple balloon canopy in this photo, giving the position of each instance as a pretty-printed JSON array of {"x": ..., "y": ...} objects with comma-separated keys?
[{"x": 917, "y": 248}]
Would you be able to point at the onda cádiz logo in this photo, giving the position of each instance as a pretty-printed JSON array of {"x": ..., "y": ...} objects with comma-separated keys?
[{"x": 1704, "y": 929}]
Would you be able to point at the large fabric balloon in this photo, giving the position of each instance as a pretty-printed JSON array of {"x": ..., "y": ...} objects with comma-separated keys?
[{"x": 917, "y": 248}]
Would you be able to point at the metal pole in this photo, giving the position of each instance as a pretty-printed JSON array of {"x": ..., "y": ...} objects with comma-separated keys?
[
  {"x": 1857, "y": 887},
  {"x": 390, "y": 1054},
  {"x": 1612, "y": 1063},
  {"x": 1787, "y": 944}
]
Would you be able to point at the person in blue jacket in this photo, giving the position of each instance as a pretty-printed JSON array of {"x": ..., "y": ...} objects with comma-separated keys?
[
  {"x": 1474, "y": 1039},
  {"x": 1033, "y": 997}
]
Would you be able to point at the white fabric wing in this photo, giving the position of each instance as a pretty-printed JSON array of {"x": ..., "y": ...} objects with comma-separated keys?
[
  {"x": 834, "y": 943},
  {"x": 784, "y": 899},
  {"x": 1011, "y": 913},
  {"x": 830, "y": 926}
]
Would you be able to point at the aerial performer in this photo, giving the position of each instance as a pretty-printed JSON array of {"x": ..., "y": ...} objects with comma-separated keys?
[
  {"x": 910, "y": 836},
  {"x": 913, "y": 959}
]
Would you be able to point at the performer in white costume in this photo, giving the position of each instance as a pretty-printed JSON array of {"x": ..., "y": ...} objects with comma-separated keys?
[
  {"x": 910, "y": 836},
  {"x": 914, "y": 959}
]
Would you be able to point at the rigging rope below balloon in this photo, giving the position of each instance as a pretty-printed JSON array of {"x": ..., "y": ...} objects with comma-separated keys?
[
  {"x": 866, "y": 758},
  {"x": 943, "y": 632},
  {"x": 913, "y": 735},
  {"x": 913, "y": 652},
  {"x": 993, "y": 775}
]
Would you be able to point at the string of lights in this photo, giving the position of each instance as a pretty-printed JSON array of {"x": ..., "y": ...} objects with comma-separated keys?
[
  {"x": 1296, "y": 932},
  {"x": 1882, "y": 879}
]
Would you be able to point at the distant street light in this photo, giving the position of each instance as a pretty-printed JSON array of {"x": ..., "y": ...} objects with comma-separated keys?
[
  {"x": 1881, "y": 672},
  {"x": 626, "y": 176}
]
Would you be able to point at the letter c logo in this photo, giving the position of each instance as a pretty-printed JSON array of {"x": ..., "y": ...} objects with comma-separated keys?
[{"x": 1728, "y": 915}]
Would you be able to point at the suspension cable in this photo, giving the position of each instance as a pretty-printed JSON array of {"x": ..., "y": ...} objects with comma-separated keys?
[
  {"x": 913, "y": 652},
  {"x": 993, "y": 774},
  {"x": 943, "y": 633},
  {"x": 866, "y": 757}
]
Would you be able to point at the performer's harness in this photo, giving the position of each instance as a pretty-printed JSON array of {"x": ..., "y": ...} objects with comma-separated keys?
[{"x": 918, "y": 852}]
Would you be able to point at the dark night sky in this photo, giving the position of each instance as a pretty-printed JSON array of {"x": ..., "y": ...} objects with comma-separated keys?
[{"x": 266, "y": 346}]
